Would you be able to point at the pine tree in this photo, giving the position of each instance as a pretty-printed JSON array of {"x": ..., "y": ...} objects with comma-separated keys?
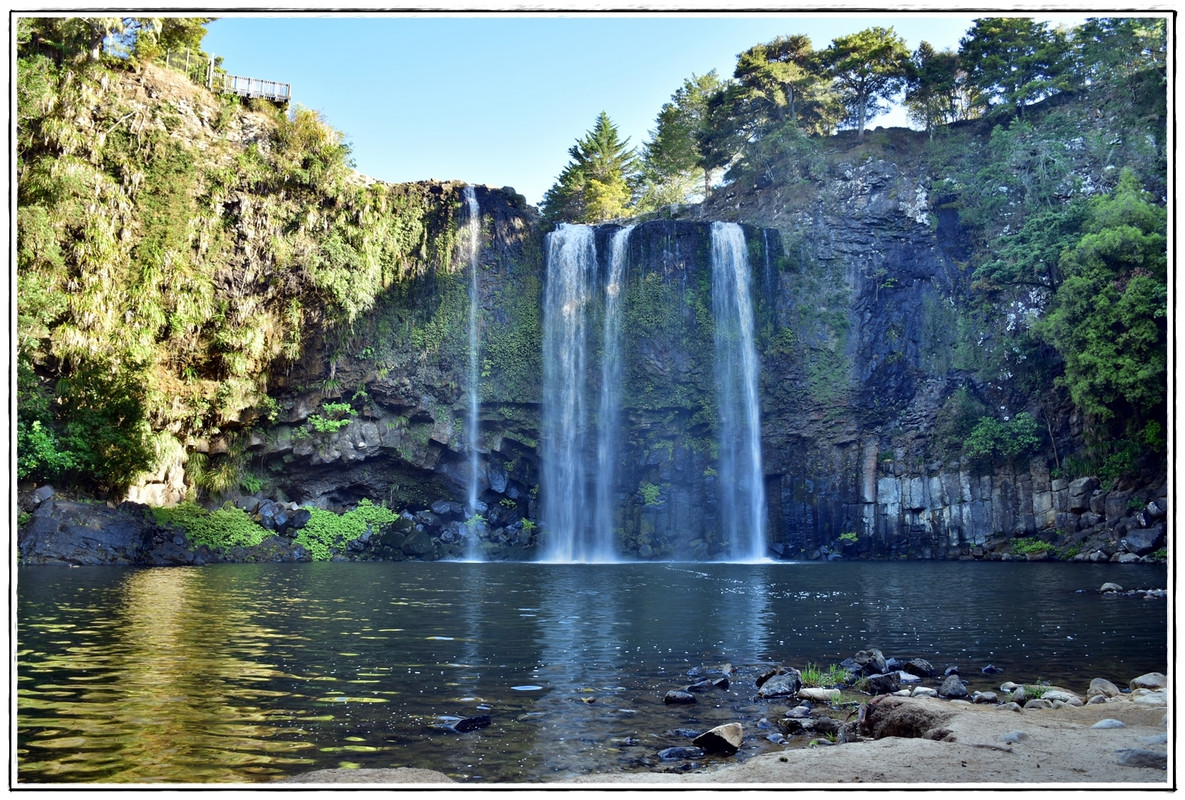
[{"x": 597, "y": 183}]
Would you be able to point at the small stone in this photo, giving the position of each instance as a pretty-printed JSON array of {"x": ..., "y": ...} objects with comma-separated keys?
[
  {"x": 984, "y": 697},
  {"x": 1039, "y": 704},
  {"x": 1139, "y": 757},
  {"x": 1014, "y": 736},
  {"x": 1109, "y": 723},
  {"x": 1110, "y": 587},
  {"x": 679, "y": 698},
  {"x": 924, "y": 691}
]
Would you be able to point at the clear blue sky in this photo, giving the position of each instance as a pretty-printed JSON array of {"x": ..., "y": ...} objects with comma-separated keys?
[{"x": 498, "y": 98}]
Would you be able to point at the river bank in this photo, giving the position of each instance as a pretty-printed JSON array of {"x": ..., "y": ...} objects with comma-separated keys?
[{"x": 919, "y": 742}]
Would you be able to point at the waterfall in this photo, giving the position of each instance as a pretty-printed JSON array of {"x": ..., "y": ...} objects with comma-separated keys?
[
  {"x": 472, "y": 422},
  {"x": 741, "y": 488},
  {"x": 571, "y": 280},
  {"x": 609, "y": 411}
]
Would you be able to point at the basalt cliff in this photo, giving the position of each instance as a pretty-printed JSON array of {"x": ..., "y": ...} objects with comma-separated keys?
[{"x": 876, "y": 351}]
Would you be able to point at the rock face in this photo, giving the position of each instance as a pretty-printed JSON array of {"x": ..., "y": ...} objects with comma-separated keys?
[{"x": 856, "y": 300}]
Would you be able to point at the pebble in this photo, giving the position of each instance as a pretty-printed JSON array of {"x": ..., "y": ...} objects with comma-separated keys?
[{"x": 1014, "y": 736}]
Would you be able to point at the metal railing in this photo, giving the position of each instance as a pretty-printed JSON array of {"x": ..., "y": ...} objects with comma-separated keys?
[
  {"x": 251, "y": 87},
  {"x": 199, "y": 68}
]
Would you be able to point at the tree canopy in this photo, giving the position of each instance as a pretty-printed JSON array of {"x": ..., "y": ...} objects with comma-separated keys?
[{"x": 869, "y": 68}]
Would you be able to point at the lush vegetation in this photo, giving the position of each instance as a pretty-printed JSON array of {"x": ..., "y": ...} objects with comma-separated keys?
[
  {"x": 166, "y": 272},
  {"x": 327, "y": 532},
  {"x": 163, "y": 271}
]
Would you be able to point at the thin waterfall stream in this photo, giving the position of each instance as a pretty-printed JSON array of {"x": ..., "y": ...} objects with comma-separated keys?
[{"x": 472, "y": 427}]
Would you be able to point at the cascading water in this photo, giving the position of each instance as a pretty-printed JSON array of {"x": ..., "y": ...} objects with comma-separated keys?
[
  {"x": 472, "y": 423},
  {"x": 609, "y": 411},
  {"x": 741, "y": 488},
  {"x": 571, "y": 281}
]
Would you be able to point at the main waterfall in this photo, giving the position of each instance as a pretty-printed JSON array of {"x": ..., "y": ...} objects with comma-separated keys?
[
  {"x": 627, "y": 466},
  {"x": 579, "y": 519},
  {"x": 741, "y": 486}
]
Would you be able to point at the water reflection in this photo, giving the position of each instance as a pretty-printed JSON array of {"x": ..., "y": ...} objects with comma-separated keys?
[{"x": 244, "y": 673}]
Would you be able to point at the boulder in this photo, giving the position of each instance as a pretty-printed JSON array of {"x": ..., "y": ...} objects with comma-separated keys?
[
  {"x": 1102, "y": 687},
  {"x": 953, "y": 687},
  {"x": 884, "y": 684},
  {"x": 1139, "y": 757},
  {"x": 870, "y": 662},
  {"x": 1143, "y": 541},
  {"x": 723, "y": 739},
  {"x": 920, "y": 667},
  {"x": 1080, "y": 492},
  {"x": 1108, "y": 723},
  {"x": 784, "y": 684},
  {"x": 1149, "y": 680},
  {"x": 675, "y": 697}
]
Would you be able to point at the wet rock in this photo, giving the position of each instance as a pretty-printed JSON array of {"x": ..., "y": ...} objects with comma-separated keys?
[
  {"x": 920, "y": 667},
  {"x": 985, "y": 698},
  {"x": 882, "y": 684},
  {"x": 676, "y": 753},
  {"x": 870, "y": 662},
  {"x": 674, "y": 697},
  {"x": 701, "y": 686},
  {"x": 723, "y": 739},
  {"x": 784, "y": 684},
  {"x": 953, "y": 687}
]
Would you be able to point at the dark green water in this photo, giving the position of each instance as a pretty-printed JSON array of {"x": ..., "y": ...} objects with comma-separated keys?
[{"x": 247, "y": 673}]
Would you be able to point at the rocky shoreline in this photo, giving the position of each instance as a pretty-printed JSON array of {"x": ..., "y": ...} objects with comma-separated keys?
[
  {"x": 53, "y": 529},
  {"x": 1020, "y": 734}
]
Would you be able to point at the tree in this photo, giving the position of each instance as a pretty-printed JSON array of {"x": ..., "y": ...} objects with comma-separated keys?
[
  {"x": 868, "y": 67},
  {"x": 1014, "y": 61},
  {"x": 1124, "y": 58},
  {"x": 596, "y": 183},
  {"x": 932, "y": 89},
  {"x": 676, "y": 146},
  {"x": 1108, "y": 317},
  {"x": 785, "y": 78}
]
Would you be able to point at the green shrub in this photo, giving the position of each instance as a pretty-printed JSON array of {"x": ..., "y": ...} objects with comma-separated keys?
[
  {"x": 1029, "y": 545},
  {"x": 219, "y": 530},
  {"x": 327, "y": 532}
]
